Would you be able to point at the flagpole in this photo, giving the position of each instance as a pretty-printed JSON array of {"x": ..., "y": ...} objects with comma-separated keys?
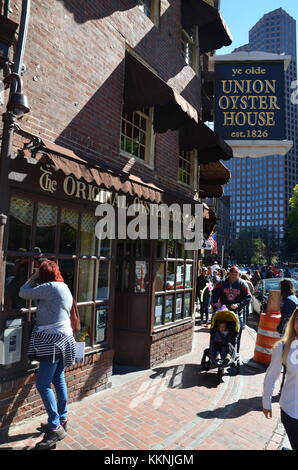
[{"x": 222, "y": 254}]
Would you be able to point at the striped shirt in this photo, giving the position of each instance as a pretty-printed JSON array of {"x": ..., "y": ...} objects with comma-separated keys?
[
  {"x": 45, "y": 346},
  {"x": 52, "y": 337}
]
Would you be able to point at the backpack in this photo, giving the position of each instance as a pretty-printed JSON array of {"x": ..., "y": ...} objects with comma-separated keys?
[{"x": 75, "y": 317}]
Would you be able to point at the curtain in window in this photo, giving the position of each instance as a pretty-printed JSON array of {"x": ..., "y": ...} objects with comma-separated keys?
[
  {"x": 69, "y": 217},
  {"x": 22, "y": 210},
  {"x": 46, "y": 216}
]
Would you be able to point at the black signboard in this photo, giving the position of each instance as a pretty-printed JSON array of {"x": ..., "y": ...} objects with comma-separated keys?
[{"x": 250, "y": 101}]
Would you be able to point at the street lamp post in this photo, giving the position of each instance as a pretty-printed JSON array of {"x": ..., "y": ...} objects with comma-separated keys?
[{"x": 17, "y": 105}]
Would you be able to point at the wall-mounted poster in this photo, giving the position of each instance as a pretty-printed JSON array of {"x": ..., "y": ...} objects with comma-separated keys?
[
  {"x": 158, "y": 310},
  {"x": 180, "y": 276},
  {"x": 188, "y": 275},
  {"x": 179, "y": 300},
  {"x": 187, "y": 304},
  {"x": 140, "y": 276},
  {"x": 169, "y": 308},
  {"x": 101, "y": 322}
]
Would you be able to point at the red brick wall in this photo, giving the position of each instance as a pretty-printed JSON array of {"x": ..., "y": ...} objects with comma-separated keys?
[
  {"x": 75, "y": 75},
  {"x": 170, "y": 344},
  {"x": 20, "y": 400}
]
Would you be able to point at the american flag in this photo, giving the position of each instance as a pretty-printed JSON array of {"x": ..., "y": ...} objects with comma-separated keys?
[{"x": 213, "y": 243}]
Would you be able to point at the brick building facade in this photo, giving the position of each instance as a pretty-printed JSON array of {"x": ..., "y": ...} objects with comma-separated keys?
[{"x": 135, "y": 299}]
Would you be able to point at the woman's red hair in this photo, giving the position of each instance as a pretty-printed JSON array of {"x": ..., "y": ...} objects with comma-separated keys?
[{"x": 49, "y": 272}]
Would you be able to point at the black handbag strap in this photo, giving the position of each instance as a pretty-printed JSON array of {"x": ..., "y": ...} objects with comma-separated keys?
[{"x": 284, "y": 370}]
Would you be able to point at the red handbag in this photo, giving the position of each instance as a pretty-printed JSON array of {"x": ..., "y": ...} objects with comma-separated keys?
[{"x": 75, "y": 317}]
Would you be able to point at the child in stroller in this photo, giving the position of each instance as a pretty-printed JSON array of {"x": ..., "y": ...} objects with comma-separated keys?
[
  {"x": 222, "y": 348},
  {"x": 222, "y": 342}
]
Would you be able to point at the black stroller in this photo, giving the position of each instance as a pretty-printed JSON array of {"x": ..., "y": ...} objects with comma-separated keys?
[{"x": 208, "y": 360}]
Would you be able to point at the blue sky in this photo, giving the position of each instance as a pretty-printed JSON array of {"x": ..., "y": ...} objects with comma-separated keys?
[{"x": 241, "y": 15}]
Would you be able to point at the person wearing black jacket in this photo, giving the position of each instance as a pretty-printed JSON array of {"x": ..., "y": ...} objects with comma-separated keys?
[
  {"x": 204, "y": 294},
  {"x": 289, "y": 303},
  {"x": 233, "y": 293}
]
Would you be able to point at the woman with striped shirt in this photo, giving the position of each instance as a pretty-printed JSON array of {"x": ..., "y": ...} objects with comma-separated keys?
[{"x": 52, "y": 344}]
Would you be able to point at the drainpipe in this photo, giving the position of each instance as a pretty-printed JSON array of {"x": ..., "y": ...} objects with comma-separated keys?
[{"x": 9, "y": 121}]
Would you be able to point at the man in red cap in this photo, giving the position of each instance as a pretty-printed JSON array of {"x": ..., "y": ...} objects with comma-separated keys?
[{"x": 233, "y": 293}]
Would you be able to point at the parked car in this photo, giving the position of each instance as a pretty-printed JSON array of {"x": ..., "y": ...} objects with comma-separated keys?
[
  {"x": 294, "y": 273},
  {"x": 262, "y": 289}
]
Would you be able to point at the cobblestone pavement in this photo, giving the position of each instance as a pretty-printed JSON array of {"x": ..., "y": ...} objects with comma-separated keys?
[{"x": 172, "y": 407}]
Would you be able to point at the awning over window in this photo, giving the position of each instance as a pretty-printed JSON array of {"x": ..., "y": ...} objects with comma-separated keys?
[
  {"x": 212, "y": 176},
  {"x": 210, "y": 147},
  {"x": 213, "y": 31},
  {"x": 71, "y": 164},
  {"x": 214, "y": 173},
  {"x": 143, "y": 89}
]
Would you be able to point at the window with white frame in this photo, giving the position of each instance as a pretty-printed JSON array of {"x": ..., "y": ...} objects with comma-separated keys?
[
  {"x": 137, "y": 138},
  {"x": 188, "y": 47},
  {"x": 186, "y": 168},
  {"x": 150, "y": 8}
]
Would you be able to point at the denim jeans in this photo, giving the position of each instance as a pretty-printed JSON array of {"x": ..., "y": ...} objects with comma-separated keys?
[
  {"x": 291, "y": 427},
  {"x": 204, "y": 309},
  {"x": 53, "y": 373}
]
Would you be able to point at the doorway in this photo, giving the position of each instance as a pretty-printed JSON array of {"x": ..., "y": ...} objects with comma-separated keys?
[{"x": 132, "y": 319}]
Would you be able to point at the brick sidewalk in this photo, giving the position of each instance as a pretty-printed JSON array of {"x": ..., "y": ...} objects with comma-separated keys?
[{"x": 173, "y": 406}]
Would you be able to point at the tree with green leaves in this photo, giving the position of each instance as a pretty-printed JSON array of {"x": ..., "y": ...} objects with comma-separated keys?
[
  {"x": 290, "y": 242},
  {"x": 248, "y": 249},
  {"x": 293, "y": 214}
]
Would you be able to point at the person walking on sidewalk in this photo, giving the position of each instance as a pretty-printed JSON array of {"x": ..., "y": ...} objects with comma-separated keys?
[
  {"x": 216, "y": 278},
  {"x": 204, "y": 288},
  {"x": 256, "y": 277},
  {"x": 285, "y": 353},
  {"x": 222, "y": 273},
  {"x": 52, "y": 344},
  {"x": 289, "y": 302},
  {"x": 214, "y": 267},
  {"x": 233, "y": 293},
  {"x": 251, "y": 289}
]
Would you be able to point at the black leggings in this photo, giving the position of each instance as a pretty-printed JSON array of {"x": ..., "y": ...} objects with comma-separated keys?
[{"x": 291, "y": 427}]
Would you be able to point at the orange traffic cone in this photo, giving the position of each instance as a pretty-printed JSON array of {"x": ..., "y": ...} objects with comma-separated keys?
[{"x": 267, "y": 330}]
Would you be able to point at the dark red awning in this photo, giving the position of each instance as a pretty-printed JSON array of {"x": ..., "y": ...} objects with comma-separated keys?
[
  {"x": 213, "y": 31},
  {"x": 210, "y": 147},
  {"x": 56, "y": 158},
  {"x": 143, "y": 89}
]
